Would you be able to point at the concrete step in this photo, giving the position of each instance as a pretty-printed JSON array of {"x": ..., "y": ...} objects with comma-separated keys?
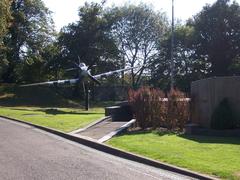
[
  {"x": 119, "y": 113},
  {"x": 105, "y": 130},
  {"x": 101, "y": 129}
]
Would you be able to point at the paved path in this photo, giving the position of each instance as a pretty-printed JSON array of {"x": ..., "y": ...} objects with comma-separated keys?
[
  {"x": 101, "y": 129},
  {"x": 27, "y": 153}
]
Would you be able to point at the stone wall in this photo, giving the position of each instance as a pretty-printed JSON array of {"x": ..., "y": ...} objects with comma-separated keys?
[
  {"x": 206, "y": 94},
  {"x": 109, "y": 93}
]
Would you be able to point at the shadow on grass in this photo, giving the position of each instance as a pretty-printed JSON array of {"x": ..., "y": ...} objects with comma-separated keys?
[
  {"x": 36, "y": 101},
  {"x": 55, "y": 111},
  {"x": 196, "y": 138},
  {"x": 142, "y": 132},
  {"x": 211, "y": 139}
]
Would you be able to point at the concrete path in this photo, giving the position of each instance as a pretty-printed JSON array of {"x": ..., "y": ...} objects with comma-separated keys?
[
  {"x": 101, "y": 129},
  {"x": 27, "y": 153}
]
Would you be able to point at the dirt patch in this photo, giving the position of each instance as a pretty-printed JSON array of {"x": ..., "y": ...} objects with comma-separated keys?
[{"x": 237, "y": 175}]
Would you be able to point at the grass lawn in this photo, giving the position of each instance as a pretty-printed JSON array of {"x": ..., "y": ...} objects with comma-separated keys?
[
  {"x": 217, "y": 156},
  {"x": 63, "y": 119},
  {"x": 34, "y": 104}
]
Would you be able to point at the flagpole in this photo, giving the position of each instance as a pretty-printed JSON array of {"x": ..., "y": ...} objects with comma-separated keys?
[{"x": 172, "y": 48}]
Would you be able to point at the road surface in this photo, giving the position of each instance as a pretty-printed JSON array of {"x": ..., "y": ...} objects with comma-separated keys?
[{"x": 27, "y": 153}]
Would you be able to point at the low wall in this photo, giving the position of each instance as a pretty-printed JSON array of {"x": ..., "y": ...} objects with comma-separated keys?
[{"x": 110, "y": 93}]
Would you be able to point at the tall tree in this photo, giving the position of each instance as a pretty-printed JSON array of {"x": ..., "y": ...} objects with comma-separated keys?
[
  {"x": 217, "y": 33},
  {"x": 5, "y": 17},
  {"x": 138, "y": 30},
  {"x": 90, "y": 39},
  {"x": 187, "y": 66},
  {"x": 31, "y": 30}
]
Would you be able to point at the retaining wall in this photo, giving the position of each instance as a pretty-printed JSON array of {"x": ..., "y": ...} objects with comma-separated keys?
[{"x": 206, "y": 94}]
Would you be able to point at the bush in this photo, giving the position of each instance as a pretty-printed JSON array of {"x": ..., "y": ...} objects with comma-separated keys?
[
  {"x": 177, "y": 110},
  {"x": 152, "y": 109},
  {"x": 147, "y": 106},
  {"x": 223, "y": 116}
]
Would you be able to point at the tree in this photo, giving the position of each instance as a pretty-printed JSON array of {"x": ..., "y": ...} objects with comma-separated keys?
[
  {"x": 217, "y": 36},
  {"x": 52, "y": 67},
  {"x": 5, "y": 17},
  {"x": 207, "y": 45},
  {"x": 48, "y": 68},
  {"x": 187, "y": 67},
  {"x": 137, "y": 30},
  {"x": 89, "y": 39},
  {"x": 31, "y": 30}
]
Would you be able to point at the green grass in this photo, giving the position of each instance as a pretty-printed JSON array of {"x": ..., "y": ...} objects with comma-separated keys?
[
  {"x": 217, "y": 156},
  {"x": 34, "y": 104},
  {"x": 63, "y": 119}
]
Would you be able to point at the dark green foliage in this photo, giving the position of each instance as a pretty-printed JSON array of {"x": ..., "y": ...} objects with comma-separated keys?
[
  {"x": 5, "y": 17},
  {"x": 30, "y": 32},
  {"x": 187, "y": 67},
  {"x": 90, "y": 39},
  {"x": 208, "y": 45},
  {"x": 217, "y": 36},
  {"x": 223, "y": 116},
  {"x": 131, "y": 35}
]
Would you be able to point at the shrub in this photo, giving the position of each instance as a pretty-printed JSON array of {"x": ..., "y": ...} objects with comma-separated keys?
[
  {"x": 177, "y": 110},
  {"x": 152, "y": 109},
  {"x": 223, "y": 116},
  {"x": 147, "y": 106}
]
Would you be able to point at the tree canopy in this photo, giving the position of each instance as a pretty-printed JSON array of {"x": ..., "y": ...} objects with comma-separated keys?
[
  {"x": 138, "y": 30},
  {"x": 5, "y": 17},
  {"x": 217, "y": 36},
  {"x": 30, "y": 31},
  {"x": 116, "y": 37},
  {"x": 89, "y": 39}
]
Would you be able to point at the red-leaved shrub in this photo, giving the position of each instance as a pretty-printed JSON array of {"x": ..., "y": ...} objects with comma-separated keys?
[
  {"x": 152, "y": 109},
  {"x": 177, "y": 110},
  {"x": 147, "y": 106}
]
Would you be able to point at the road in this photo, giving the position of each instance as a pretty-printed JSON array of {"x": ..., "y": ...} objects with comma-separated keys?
[{"x": 27, "y": 153}]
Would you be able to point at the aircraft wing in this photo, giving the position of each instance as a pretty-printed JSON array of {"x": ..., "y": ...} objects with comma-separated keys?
[
  {"x": 67, "y": 81},
  {"x": 112, "y": 72}
]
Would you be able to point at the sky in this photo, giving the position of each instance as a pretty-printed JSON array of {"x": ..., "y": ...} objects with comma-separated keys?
[{"x": 66, "y": 11}]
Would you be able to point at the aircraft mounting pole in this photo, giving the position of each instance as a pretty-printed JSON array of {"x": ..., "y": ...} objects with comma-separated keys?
[{"x": 87, "y": 97}]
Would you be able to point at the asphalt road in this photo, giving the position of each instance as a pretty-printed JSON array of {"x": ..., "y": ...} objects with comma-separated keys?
[{"x": 27, "y": 153}]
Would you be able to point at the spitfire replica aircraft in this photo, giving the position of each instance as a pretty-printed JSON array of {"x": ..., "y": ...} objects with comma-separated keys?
[{"x": 83, "y": 76}]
